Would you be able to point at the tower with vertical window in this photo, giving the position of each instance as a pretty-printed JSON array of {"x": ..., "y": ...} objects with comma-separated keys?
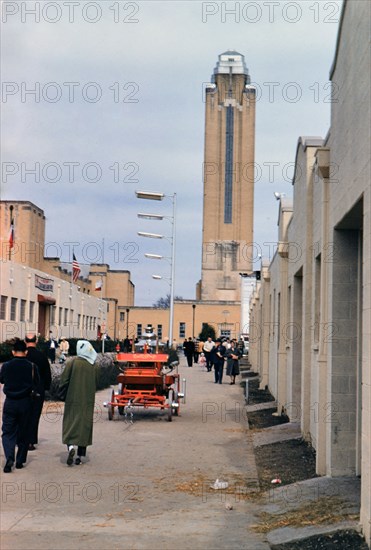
[{"x": 228, "y": 202}]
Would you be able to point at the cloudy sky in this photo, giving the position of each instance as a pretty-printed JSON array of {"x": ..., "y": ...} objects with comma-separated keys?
[{"x": 100, "y": 99}]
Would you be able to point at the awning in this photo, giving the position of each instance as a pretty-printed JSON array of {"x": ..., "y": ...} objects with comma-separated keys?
[{"x": 45, "y": 299}]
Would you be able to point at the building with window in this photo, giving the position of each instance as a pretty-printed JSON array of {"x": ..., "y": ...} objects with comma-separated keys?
[
  {"x": 310, "y": 329},
  {"x": 43, "y": 294}
]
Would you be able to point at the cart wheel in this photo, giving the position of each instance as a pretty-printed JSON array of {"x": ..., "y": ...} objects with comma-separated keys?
[
  {"x": 110, "y": 407},
  {"x": 170, "y": 401}
]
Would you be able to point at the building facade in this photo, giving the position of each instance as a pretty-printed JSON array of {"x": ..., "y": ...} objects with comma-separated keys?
[
  {"x": 189, "y": 317},
  {"x": 34, "y": 301},
  {"x": 227, "y": 234},
  {"x": 38, "y": 293},
  {"x": 311, "y": 312}
]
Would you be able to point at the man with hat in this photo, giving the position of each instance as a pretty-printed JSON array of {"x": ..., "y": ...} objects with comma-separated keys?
[
  {"x": 19, "y": 377},
  {"x": 218, "y": 359},
  {"x": 43, "y": 367}
]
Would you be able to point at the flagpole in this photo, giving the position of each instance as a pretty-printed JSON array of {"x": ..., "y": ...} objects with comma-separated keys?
[
  {"x": 71, "y": 287},
  {"x": 101, "y": 311},
  {"x": 11, "y": 243}
]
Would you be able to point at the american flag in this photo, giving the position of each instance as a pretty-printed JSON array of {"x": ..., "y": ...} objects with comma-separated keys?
[
  {"x": 75, "y": 269},
  {"x": 11, "y": 234}
]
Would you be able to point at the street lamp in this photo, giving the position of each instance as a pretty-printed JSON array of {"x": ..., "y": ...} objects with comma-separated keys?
[
  {"x": 150, "y": 195},
  {"x": 145, "y": 216},
  {"x": 155, "y": 256},
  {"x": 150, "y": 235}
]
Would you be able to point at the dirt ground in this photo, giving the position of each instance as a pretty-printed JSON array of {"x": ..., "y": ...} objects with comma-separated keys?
[
  {"x": 344, "y": 540},
  {"x": 293, "y": 461},
  {"x": 257, "y": 395},
  {"x": 290, "y": 461}
]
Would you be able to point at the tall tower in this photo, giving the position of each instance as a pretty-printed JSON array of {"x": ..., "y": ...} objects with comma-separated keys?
[{"x": 227, "y": 235}]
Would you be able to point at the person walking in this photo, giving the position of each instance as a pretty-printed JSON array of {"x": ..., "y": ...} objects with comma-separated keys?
[
  {"x": 127, "y": 346},
  {"x": 218, "y": 359},
  {"x": 64, "y": 346},
  {"x": 18, "y": 376},
  {"x": 233, "y": 356},
  {"x": 45, "y": 378},
  {"x": 207, "y": 349},
  {"x": 189, "y": 350},
  {"x": 197, "y": 352},
  {"x": 81, "y": 375},
  {"x": 51, "y": 346}
]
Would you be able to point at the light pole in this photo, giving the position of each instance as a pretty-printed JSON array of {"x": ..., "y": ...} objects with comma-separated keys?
[
  {"x": 127, "y": 322},
  {"x": 193, "y": 319},
  {"x": 149, "y": 195}
]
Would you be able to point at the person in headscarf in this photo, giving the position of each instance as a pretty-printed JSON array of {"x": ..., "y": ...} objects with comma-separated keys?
[{"x": 81, "y": 374}]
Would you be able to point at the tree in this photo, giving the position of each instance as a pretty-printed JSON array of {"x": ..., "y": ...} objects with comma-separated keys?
[
  {"x": 164, "y": 302},
  {"x": 207, "y": 331}
]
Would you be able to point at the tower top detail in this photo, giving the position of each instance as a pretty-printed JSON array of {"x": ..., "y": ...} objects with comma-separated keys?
[{"x": 231, "y": 62}]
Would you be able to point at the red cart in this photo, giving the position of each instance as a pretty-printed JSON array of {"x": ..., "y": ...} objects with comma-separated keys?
[{"x": 146, "y": 381}]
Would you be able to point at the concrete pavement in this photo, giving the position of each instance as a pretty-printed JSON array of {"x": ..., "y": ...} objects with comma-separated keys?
[{"x": 145, "y": 485}]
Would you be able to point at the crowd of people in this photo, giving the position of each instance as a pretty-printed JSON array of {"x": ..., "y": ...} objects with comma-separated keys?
[
  {"x": 26, "y": 378},
  {"x": 211, "y": 354}
]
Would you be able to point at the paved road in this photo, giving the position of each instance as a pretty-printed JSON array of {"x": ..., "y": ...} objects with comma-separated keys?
[{"x": 145, "y": 485}]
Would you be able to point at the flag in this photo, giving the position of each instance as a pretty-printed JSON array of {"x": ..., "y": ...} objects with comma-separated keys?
[
  {"x": 75, "y": 269},
  {"x": 11, "y": 234},
  {"x": 99, "y": 285}
]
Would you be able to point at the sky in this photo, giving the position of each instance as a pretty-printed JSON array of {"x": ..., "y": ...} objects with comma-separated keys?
[{"x": 100, "y": 99}]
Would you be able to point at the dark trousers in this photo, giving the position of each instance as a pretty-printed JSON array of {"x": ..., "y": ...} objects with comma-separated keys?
[
  {"x": 37, "y": 407},
  {"x": 189, "y": 359},
  {"x": 218, "y": 367},
  {"x": 196, "y": 356},
  {"x": 16, "y": 428},
  {"x": 208, "y": 360}
]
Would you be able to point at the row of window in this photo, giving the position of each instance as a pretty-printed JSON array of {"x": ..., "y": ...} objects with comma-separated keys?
[
  {"x": 16, "y": 310},
  {"x": 225, "y": 333},
  {"x": 182, "y": 331}
]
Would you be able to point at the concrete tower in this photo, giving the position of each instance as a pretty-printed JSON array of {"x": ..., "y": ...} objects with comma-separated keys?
[{"x": 228, "y": 179}]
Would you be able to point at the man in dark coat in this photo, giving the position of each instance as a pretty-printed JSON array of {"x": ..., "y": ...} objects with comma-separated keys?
[
  {"x": 43, "y": 367},
  {"x": 218, "y": 360},
  {"x": 52, "y": 346},
  {"x": 18, "y": 376},
  {"x": 189, "y": 350}
]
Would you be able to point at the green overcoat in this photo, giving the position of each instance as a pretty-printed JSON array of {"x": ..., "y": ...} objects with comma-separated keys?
[{"x": 82, "y": 379}]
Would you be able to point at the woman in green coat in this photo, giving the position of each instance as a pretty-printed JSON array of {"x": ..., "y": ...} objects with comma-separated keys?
[{"x": 81, "y": 375}]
